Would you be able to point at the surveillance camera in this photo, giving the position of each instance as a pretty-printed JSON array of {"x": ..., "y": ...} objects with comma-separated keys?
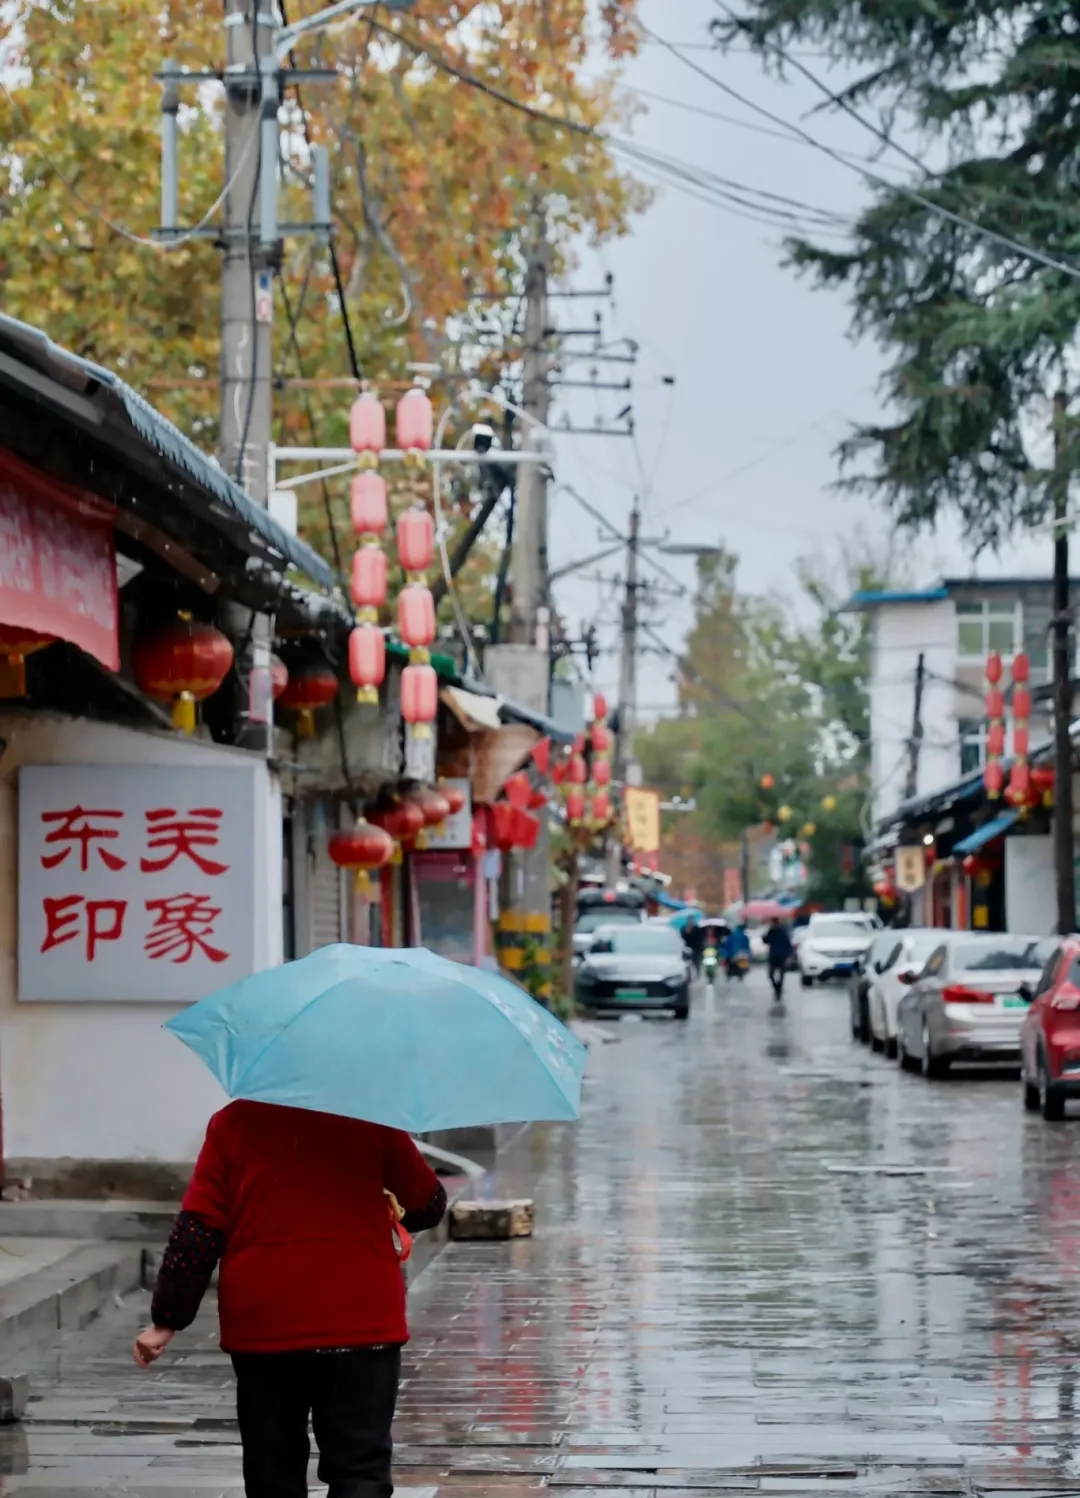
[{"x": 483, "y": 437}]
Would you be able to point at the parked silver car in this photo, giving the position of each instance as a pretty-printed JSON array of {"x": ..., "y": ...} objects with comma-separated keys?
[{"x": 967, "y": 1003}]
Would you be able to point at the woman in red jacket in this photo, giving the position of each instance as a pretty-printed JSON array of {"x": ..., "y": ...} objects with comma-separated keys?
[{"x": 298, "y": 1207}]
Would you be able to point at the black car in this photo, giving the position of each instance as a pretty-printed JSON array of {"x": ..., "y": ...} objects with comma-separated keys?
[{"x": 634, "y": 968}]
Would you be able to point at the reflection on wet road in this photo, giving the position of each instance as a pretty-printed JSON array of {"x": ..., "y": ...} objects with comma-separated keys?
[{"x": 766, "y": 1260}]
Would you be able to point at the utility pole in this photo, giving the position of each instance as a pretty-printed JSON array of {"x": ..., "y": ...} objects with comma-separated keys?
[
  {"x": 247, "y": 261},
  {"x": 628, "y": 659},
  {"x": 1064, "y": 855},
  {"x": 529, "y": 564},
  {"x": 915, "y": 741}
]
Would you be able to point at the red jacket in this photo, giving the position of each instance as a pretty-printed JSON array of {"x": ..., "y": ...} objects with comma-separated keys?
[{"x": 309, "y": 1260}]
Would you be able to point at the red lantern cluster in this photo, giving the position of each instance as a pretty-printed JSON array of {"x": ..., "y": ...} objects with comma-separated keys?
[
  {"x": 512, "y": 827},
  {"x": 600, "y": 809},
  {"x": 993, "y": 774},
  {"x": 1020, "y": 774},
  {"x": 182, "y": 664},
  {"x": 370, "y": 516}
]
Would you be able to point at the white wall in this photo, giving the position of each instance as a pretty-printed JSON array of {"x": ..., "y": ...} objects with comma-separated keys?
[
  {"x": 100, "y": 1081},
  {"x": 1030, "y": 886},
  {"x": 901, "y": 632}
]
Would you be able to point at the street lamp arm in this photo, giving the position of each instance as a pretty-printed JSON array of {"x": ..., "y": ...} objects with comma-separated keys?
[{"x": 288, "y": 35}]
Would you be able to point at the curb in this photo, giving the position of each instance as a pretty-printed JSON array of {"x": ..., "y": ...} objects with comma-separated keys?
[
  {"x": 68, "y": 1294},
  {"x": 97, "y": 1221}
]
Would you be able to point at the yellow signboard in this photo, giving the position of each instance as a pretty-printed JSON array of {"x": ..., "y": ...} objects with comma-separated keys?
[{"x": 642, "y": 819}]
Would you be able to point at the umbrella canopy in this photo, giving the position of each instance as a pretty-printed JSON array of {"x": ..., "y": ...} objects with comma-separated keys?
[
  {"x": 688, "y": 916},
  {"x": 396, "y": 1036},
  {"x": 763, "y": 910}
]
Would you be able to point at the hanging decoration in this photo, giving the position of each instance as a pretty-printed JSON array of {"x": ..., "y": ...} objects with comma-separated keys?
[
  {"x": 829, "y": 804},
  {"x": 993, "y": 774},
  {"x": 182, "y": 664},
  {"x": 575, "y": 807},
  {"x": 419, "y": 698},
  {"x": 456, "y": 798},
  {"x": 279, "y": 677},
  {"x": 541, "y": 756},
  {"x": 370, "y": 516},
  {"x": 1020, "y": 774},
  {"x": 434, "y": 805},
  {"x": 361, "y": 849},
  {"x": 308, "y": 688},
  {"x": 414, "y": 421},
  {"x": 518, "y": 790},
  {"x": 768, "y": 782},
  {"x": 15, "y": 646},
  {"x": 1042, "y": 785}
]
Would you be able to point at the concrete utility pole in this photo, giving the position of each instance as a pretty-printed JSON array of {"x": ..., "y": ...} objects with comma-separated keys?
[
  {"x": 628, "y": 659},
  {"x": 247, "y": 264},
  {"x": 915, "y": 742},
  {"x": 529, "y": 563},
  {"x": 1064, "y": 845}
]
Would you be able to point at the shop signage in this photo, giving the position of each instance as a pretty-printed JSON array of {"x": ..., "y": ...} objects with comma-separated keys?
[
  {"x": 910, "y": 869},
  {"x": 456, "y": 832},
  {"x": 57, "y": 561},
  {"x": 643, "y": 819},
  {"x": 135, "y": 883}
]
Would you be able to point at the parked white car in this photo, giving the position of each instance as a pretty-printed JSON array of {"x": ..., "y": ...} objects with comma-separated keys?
[
  {"x": 890, "y": 980},
  {"x": 834, "y": 943}
]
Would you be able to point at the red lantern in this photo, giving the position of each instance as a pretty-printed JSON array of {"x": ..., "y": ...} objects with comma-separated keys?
[
  {"x": 367, "y": 424},
  {"x": 361, "y": 849},
  {"x": 415, "y": 421},
  {"x": 601, "y": 772},
  {"x": 1021, "y": 668},
  {"x": 416, "y": 616},
  {"x": 768, "y": 782},
  {"x": 579, "y": 744},
  {"x": 367, "y": 661},
  {"x": 971, "y": 865},
  {"x": 575, "y": 807},
  {"x": 599, "y": 707},
  {"x": 518, "y": 790},
  {"x": 1020, "y": 781},
  {"x": 184, "y": 663},
  {"x": 503, "y": 825},
  {"x": 1042, "y": 784},
  {"x": 559, "y": 771},
  {"x": 526, "y": 829},
  {"x": 367, "y": 495},
  {"x": 456, "y": 798},
  {"x": 541, "y": 756},
  {"x": 601, "y": 739},
  {"x": 1021, "y": 703},
  {"x": 537, "y": 800},
  {"x": 434, "y": 805},
  {"x": 403, "y": 820},
  {"x": 993, "y": 780},
  {"x": 995, "y": 738},
  {"x": 369, "y": 573},
  {"x": 579, "y": 773},
  {"x": 416, "y": 540},
  {"x": 601, "y": 807},
  {"x": 993, "y": 668},
  {"x": 16, "y": 644},
  {"x": 419, "y": 697},
  {"x": 1021, "y": 740},
  {"x": 309, "y": 688},
  {"x": 995, "y": 703},
  {"x": 279, "y": 676}
]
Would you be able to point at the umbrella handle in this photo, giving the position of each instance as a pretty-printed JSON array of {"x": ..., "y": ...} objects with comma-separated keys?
[{"x": 400, "y": 1233}]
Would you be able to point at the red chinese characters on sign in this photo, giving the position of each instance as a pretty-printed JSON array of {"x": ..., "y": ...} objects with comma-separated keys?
[
  {"x": 78, "y": 830},
  {"x": 179, "y": 926},
  {"x": 74, "y": 917},
  {"x": 173, "y": 837},
  {"x": 182, "y": 926}
]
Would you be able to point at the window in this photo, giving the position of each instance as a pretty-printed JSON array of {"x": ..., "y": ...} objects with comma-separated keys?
[
  {"x": 644, "y": 940},
  {"x": 936, "y": 963},
  {"x": 988, "y": 624},
  {"x": 972, "y": 744},
  {"x": 890, "y": 957},
  {"x": 1002, "y": 953},
  {"x": 1049, "y": 973}
]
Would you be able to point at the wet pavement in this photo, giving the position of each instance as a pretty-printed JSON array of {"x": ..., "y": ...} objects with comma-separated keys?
[{"x": 765, "y": 1261}]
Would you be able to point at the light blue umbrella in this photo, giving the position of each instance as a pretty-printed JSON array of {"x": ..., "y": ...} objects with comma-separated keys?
[{"x": 397, "y": 1036}]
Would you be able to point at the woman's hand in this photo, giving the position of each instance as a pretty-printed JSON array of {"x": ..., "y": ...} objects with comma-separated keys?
[{"x": 150, "y": 1344}]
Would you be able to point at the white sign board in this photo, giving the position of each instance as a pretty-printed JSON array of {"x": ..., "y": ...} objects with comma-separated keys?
[
  {"x": 456, "y": 831},
  {"x": 910, "y": 868},
  {"x": 135, "y": 883}
]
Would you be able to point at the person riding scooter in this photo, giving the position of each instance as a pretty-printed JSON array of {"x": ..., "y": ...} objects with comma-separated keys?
[{"x": 736, "y": 953}]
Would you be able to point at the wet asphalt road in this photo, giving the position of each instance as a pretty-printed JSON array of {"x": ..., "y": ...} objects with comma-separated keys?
[{"x": 765, "y": 1261}]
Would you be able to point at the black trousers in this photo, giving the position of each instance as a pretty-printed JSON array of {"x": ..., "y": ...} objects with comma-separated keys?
[
  {"x": 776, "y": 976},
  {"x": 350, "y": 1398}
]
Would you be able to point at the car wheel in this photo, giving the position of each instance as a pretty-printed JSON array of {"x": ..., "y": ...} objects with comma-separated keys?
[
  {"x": 806, "y": 980},
  {"x": 875, "y": 1043},
  {"x": 1051, "y": 1102},
  {"x": 682, "y": 1010},
  {"x": 1032, "y": 1100},
  {"x": 891, "y": 1047},
  {"x": 864, "y": 1021},
  {"x": 907, "y": 1063},
  {"x": 932, "y": 1066}
]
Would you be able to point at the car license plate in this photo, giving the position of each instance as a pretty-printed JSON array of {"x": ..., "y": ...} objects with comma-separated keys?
[
  {"x": 632, "y": 995},
  {"x": 1014, "y": 1001}
]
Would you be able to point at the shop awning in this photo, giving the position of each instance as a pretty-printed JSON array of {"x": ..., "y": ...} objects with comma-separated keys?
[{"x": 985, "y": 834}]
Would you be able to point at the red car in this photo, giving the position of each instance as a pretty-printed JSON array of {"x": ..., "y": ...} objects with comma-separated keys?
[{"x": 1050, "y": 1036}]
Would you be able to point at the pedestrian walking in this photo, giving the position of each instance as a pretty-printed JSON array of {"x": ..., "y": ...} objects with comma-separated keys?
[
  {"x": 780, "y": 952},
  {"x": 302, "y": 1211}
]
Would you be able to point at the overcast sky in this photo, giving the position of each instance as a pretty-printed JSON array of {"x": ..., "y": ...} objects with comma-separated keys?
[{"x": 767, "y": 379}]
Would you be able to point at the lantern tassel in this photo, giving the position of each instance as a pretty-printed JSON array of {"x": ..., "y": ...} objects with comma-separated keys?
[
  {"x": 368, "y": 695},
  {"x": 183, "y": 712},
  {"x": 362, "y": 884},
  {"x": 305, "y": 723},
  {"x": 13, "y": 676}
]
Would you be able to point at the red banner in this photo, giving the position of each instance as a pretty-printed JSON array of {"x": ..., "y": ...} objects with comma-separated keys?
[{"x": 57, "y": 561}]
